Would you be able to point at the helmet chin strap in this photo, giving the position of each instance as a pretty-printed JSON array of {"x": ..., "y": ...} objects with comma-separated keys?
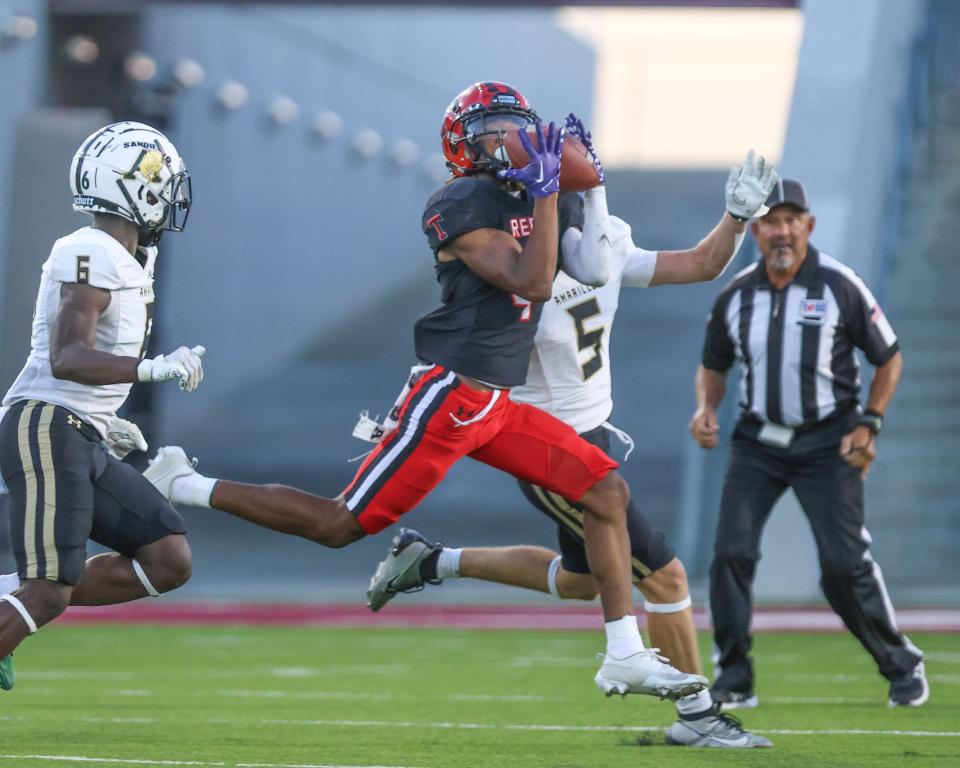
[{"x": 147, "y": 237}]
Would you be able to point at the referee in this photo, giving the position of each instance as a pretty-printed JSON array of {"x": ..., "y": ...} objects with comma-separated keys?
[{"x": 792, "y": 320}]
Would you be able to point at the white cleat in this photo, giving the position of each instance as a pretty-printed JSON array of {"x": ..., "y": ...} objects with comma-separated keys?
[
  {"x": 648, "y": 673},
  {"x": 170, "y": 463},
  {"x": 714, "y": 729}
]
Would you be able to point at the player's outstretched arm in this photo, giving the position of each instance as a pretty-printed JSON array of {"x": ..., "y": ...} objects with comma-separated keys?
[
  {"x": 746, "y": 190},
  {"x": 587, "y": 254}
]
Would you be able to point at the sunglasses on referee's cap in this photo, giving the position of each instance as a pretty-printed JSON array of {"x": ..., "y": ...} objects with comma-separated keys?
[{"x": 788, "y": 192}]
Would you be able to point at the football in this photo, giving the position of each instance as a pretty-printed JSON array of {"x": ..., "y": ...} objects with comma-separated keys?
[{"x": 576, "y": 165}]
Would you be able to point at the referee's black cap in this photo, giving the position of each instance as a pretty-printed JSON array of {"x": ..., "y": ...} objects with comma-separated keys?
[{"x": 788, "y": 192}]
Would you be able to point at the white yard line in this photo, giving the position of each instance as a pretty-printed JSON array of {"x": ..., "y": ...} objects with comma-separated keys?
[
  {"x": 133, "y": 761},
  {"x": 367, "y": 696},
  {"x": 445, "y": 725}
]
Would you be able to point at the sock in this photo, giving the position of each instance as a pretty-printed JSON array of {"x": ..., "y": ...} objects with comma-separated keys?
[
  {"x": 694, "y": 704},
  {"x": 9, "y": 582},
  {"x": 448, "y": 563},
  {"x": 193, "y": 490},
  {"x": 623, "y": 637}
]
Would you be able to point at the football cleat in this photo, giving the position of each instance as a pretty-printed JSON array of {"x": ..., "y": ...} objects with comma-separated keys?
[
  {"x": 7, "y": 678},
  {"x": 646, "y": 672},
  {"x": 713, "y": 729},
  {"x": 911, "y": 690},
  {"x": 170, "y": 463},
  {"x": 400, "y": 570}
]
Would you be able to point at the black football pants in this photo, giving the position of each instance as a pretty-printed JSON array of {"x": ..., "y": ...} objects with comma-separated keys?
[{"x": 831, "y": 494}]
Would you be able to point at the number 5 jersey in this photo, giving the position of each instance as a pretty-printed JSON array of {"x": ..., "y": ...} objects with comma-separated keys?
[{"x": 569, "y": 374}]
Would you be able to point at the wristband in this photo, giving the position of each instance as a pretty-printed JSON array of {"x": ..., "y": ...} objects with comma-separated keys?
[
  {"x": 872, "y": 420},
  {"x": 144, "y": 370},
  {"x": 741, "y": 219}
]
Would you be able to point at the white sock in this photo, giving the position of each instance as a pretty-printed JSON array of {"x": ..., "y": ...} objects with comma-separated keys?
[
  {"x": 448, "y": 564},
  {"x": 695, "y": 703},
  {"x": 9, "y": 582},
  {"x": 623, "y": 637},
  {"x": 193, "y": 490}
]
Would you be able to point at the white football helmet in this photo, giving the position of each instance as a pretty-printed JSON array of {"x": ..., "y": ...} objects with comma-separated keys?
[{"x": 133, "y": 171}]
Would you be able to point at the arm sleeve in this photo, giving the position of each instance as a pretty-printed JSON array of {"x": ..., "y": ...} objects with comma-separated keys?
[
  {"x": 87, "y": 265},
  {"x": 718, "y": 351},
  {"x": 869, "y": 328},
  {"x": 586, "y": 255}
]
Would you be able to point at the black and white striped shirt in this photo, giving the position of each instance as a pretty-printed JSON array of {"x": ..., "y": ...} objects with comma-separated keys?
[{"x": 796, "y": 346}]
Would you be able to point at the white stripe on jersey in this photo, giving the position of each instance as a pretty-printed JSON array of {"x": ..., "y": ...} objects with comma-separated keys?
[
  {"x": 733, "y": 331},
  {"x": 791, "y": 403},
  {"x": 826, "y": 402},
  {"x": 757, "y": 344}
]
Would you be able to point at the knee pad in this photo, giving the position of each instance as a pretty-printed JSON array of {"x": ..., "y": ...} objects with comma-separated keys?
[
  {"x": 667, "y": 607},
  {"x": 22, "y": 610}
]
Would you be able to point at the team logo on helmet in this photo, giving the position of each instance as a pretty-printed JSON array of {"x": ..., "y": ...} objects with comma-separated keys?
[{"x": 151, "y": 165}]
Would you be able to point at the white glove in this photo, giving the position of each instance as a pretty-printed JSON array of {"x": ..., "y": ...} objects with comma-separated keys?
[
  {"x": 748, "y": 187},
  {"x": 182, "y": 364},
  {"x": 122, "y": 437}
]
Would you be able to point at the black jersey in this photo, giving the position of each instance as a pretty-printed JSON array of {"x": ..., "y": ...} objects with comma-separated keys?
[{"x": 480, "y": 330}]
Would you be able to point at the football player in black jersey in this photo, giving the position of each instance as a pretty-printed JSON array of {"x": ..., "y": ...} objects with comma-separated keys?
[{"x": 495, "y": 234}]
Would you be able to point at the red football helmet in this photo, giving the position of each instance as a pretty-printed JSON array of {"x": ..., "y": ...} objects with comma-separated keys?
[{"x": 484, "y": 110}]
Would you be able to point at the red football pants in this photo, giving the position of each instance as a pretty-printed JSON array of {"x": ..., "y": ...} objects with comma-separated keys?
[{"x": 442, "y": 420}]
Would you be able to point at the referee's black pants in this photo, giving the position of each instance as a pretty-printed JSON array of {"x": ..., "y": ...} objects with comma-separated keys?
[{"x": 831, "y": 494}]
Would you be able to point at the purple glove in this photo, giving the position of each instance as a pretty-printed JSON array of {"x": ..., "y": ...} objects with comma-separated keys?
[
  {"x": 574, "y": 126},
  {"x": 541, "y": 177}
]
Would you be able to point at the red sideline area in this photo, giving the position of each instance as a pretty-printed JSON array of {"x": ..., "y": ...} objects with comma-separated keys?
[{"x": 563, "y": 616}]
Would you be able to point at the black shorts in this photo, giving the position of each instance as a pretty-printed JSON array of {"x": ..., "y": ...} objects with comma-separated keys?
[
  {"x": 649, "y": 546},
  {"x": 65, "y": 488}
]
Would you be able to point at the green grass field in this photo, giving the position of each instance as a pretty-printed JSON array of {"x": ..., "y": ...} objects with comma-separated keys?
[{"x": 237, "y": 696}]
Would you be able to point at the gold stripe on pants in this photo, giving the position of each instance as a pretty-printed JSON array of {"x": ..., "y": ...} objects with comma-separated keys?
[
  {"x": 49, "y": 500},
  {"x": 44, "y": 433},
  {"x": 568, "y": 515}
]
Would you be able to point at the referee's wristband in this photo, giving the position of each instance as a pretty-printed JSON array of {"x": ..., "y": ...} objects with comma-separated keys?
[{"x": 872, "y": 420}]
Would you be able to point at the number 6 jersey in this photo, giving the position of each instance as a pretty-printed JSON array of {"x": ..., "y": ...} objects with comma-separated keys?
[
  {"x": 92, "y": 257},
  {"x": 569, "y": 374}
]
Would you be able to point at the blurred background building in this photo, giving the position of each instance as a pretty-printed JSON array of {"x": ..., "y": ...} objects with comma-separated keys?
[{"x": 311, "y": 131}]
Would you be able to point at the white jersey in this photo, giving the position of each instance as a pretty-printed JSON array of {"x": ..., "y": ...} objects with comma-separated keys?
[
  {"x": 92, "y": 257},
  {"x": 569, "y": 374}
]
